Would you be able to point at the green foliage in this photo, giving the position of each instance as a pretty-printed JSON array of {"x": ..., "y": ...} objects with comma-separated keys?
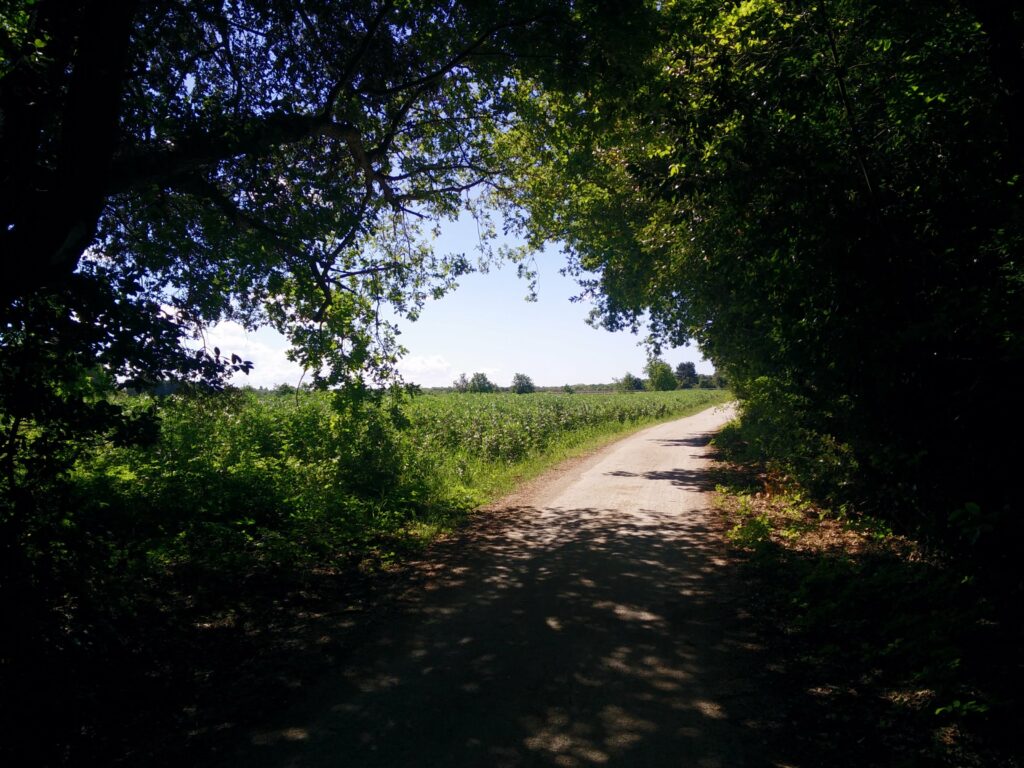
[
  {"x": 659, "y": 376},
  {"x": 479, "y": 382},
  {"x": 629, "y": 383},
  {"x": 522, "y": 384},
  {"x": 752, "y": 531},
  {"x": 686, "y": 375},
  {"x": 778, "y": 430},
  {"x": 827, "y": 199}
]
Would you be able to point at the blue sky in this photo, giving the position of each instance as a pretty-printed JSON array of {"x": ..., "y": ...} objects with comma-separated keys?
[{"x": 485, "y": 325}]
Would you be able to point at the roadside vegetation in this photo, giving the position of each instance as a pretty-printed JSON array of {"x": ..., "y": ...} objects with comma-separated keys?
[
  {"x": 200, "y": 547},
  {"x": 827, "y": 197},
  {"x": 891, "y": 652}
]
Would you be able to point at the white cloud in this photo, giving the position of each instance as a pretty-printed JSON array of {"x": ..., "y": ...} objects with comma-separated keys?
[
  {"x": 265, "y": 348},
  {"x": 427, "y": 370}
]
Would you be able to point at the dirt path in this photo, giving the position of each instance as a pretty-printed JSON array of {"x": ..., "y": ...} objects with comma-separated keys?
[{"x": 589, "y": 622}]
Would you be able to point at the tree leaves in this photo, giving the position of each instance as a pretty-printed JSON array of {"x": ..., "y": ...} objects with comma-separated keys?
[{"x": 816, "y": 195}]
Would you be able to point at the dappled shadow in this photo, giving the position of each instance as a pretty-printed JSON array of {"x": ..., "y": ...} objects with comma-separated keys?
[{"x": 563, "y": 637}]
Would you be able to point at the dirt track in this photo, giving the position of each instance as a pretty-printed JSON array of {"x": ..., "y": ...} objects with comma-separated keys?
[{"x": 589, "y": 621}]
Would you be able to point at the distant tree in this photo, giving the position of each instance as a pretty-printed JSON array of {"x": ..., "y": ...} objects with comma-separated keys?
[
  {"x": 686, "y": 375},
  {"x": 629, "y": 383},
  {"x": 721, "y": 380},
  {"x": 479, "y": 382},
  {"x": 567, "y": 389},
  {"x": 659, "y": 375},
  {"x": 522, "y": 384},
  {"x": 706, "y": 382},
  {"x": 461, "y": 384}
]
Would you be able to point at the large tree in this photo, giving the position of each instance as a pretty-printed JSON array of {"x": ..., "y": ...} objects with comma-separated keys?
[
  {"x": 686, "y": 375},
  {"x": 267, "y": 161},
  {"x": 522, "y": 384},
  {"x": 659, "y": 375},
  {"x": 168, "y": 164},
  {"x": 827, "y": 198}
]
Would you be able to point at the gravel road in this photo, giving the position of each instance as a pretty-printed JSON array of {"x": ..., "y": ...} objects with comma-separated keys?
[{"x": 592, "y": 619}]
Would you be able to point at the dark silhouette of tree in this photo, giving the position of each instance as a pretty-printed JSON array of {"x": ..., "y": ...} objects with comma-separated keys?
[
  {"x": 522, "y": 384},
  {"x": 686, "y": 375},
  {"x": 479, "y": 382}
]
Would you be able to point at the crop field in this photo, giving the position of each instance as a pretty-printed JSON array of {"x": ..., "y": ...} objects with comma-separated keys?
[
  {"x": 274, "y": 479},
  {"x": 511, "y": 428}
]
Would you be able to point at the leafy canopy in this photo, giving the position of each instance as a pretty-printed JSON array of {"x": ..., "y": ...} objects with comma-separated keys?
[
  {"x": 827, "y": 198},
  {"x": 522, "y": 384}
]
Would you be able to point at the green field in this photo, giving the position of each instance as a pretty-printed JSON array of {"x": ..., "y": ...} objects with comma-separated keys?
[{"x": 265, "y": 480}]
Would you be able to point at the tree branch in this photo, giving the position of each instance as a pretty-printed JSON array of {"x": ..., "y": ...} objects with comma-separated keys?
[
  {"x": 203, "y": 188},
  {"x": 195, "y": 152},
  {"x": 452, "y": 62}
]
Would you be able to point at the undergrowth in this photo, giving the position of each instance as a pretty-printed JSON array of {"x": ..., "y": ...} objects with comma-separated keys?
[{"x": 894, "y": 655}]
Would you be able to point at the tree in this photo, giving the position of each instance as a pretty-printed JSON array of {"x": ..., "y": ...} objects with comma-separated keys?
[
  {"x": 479, "y": 382},
  {"x": 659, "y": 375},
  {"x": 461, "y": 384},
  {"x": 522, "y": 384},
  {"x": 823, "y": 198},
  {"x": 166, "y": 165},
  {"x": 686, "y": 375},
  {"x": 629, "y": 383},
  {"x": 169, "y": 165}
]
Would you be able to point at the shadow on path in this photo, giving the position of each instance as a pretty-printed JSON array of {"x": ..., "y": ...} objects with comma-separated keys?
[
  {"x": 688, "y": 479},
  {"x": 694, "y": 441},
  {"x": 561, "y": 637}
]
